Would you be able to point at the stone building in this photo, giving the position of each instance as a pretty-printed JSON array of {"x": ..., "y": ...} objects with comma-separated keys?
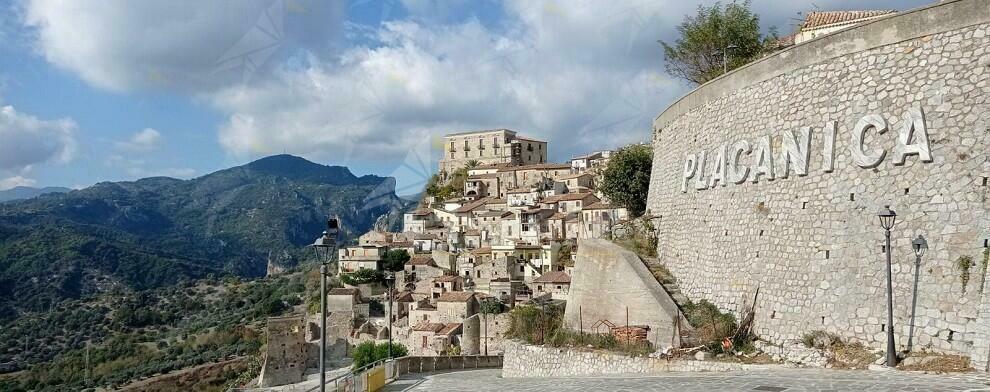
[
  {"x": 770, "y": 178},
  {"x": 820, "y": 23},
  {"x": 555, "y": 283},
  {"x": 496, "y": 146},
  {"x": 286, "y": 355}
]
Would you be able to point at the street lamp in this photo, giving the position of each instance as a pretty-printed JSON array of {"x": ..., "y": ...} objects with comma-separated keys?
[
  {"x": 920, "y": 246},
  {"x": 325, "y": 247},
  {"x": 389, "y": 281},
  {"x": 725, "y": 58},
  {"x": 887, "y": 220}
]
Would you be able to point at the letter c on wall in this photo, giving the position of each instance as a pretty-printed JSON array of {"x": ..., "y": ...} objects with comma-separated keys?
[{"x": 867, "y": 159}]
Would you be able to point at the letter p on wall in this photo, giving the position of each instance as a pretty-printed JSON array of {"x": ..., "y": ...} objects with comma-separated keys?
[{"x": 690, "y": 166}]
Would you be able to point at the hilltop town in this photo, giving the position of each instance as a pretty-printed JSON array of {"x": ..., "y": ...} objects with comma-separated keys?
[{"x": 509, "y": 236}]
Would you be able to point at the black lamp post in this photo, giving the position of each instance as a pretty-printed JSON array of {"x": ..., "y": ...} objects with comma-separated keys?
[
  {"x": 887, "y": 220},
  {"x": 920, "y": 246},
  {"x": 325, "y": 247},
  {"x": 389, "y": 281}
]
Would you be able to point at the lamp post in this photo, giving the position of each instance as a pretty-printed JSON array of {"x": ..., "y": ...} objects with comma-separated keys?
[
  {"x": 887, "y": 220},
  {"x": 390, "y": 281},
  {"x": 920, "y": 246},
  {"x": 325, "y": 247},
  {"x": 725, "y": 58}
]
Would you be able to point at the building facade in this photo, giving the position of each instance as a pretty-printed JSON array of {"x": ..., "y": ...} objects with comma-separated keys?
[{"x": 490, "y": 147}]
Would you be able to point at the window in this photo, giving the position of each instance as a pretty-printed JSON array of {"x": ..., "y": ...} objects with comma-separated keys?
[{"x": 424, "y": 341}]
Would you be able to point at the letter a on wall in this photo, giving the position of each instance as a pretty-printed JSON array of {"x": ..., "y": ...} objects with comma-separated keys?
[{"x": 913, "y": 138}]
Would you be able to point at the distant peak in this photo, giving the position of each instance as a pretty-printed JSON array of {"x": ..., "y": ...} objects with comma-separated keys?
[{"x": 294, "y": 167}]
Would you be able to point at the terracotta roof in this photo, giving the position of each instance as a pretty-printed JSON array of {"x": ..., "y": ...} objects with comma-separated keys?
[
  {"x": 405, "y": 296},
  {"x": 424, "y": 236},
  {"x": 489, "y": 166},
  {"x": 421, "y": 260},
  {"x": 538, "y": 166},
  {"x": 428, "y": 326},
  {"x": 449, "y": 329},
  {"x": 426, "y": 305},
  {"x": 573, "y": 175},
  {"x": 421, "y": 212},
  {"x": 495, "y": 213},
  {"x": 520, "y": 190},
  {"x": 818, "y": 19},
  {"x": 554, "y": 277},
  {"x": 482, "y": 176},
  {"x": 344, "y": 291},
  {"x": 471, "y": 206},
  {"x": 456, "y": 296},
  {"x": 481, "y": 251},
  {"x": 480, "y": 131},
  {"x": 601, "y": 206},
  {"x": 401, "y": 244},
  {"x": 448, "y": 278},
  {"x": 567, "y": 197}
]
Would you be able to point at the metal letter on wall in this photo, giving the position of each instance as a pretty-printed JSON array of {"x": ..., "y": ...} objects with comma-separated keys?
[
  {"x": 828, "y": 150},
  {"x": 690, "y": 167},
  {"x": 699, "y": 178},
  {"x": 913, "y": 138},
  {"x": 763, "y": 163},
  {"x": 736, "y": 175},
  {"x": 718, "y": 170},
  {"x": 864, "y": 159},
  {"x": 796, "y": 152}
]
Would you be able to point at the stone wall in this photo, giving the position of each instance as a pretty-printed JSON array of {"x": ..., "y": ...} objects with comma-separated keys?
[
  {"x": 612, "y": 285},
  {"x": 770, "y": 178},
  {"x": 522, "y": 360},
  {"x": 286, "y": 355}
]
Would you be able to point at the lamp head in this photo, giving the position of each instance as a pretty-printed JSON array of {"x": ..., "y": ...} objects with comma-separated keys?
[
  {"x": 887, "y": 217},
  {"x": 920, "y": 245}
]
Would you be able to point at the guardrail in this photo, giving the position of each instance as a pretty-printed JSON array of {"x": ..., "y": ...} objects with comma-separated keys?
[{"x": 374, "y": 376}]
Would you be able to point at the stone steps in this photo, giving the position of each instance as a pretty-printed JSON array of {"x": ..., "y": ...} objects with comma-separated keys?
[{"x": 654, "y": 265}]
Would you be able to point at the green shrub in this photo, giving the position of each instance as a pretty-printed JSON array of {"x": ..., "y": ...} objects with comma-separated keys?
[
  {"x": 534, "y": 324},
  {"x": 362, "y": 276},
  {"x": 369, "y": 352}
]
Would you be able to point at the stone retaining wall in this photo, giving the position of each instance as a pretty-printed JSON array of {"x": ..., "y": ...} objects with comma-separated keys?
[
  {"x": 769, "y": 180},
  {"x": 522, "y": 360}
]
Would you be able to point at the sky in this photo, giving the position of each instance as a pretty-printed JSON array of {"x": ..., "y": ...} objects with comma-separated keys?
[{"x": 120, "y": 90}]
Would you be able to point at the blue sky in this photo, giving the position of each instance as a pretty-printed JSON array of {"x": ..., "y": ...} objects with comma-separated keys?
[{"x": 120, "y": 90}]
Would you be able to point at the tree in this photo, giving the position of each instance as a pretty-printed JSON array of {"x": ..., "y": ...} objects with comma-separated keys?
[
  {"x": 715, "y": 39},
  {"x": 368, "y": 352},
  {"x": 362, "y": 276},
  {"x": 395, "y": 259},
  {"x": 626, "y": 179}
]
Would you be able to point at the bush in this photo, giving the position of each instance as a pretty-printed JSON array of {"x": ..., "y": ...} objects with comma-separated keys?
[
  {"x": 533, "y": 324},
  {"x": 711, "y": 327},
  {"x": 368, "y": 352},
  {"x": 819, "y": 339},
  {"x": 362, "y": 276}
]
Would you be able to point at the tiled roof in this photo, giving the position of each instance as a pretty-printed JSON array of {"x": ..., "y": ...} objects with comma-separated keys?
[
  {"x": 448, "y": 278},
  {"x": 405, "y": 296},
  {"x": 567, "y": 197},
  {"x": 573, "y": 175},
  {"x": 455, "y": 296},
  {"x": 424, "y": 236},
  {"x": 520, "y": 190},
  {"x": 537, "y": 166},
  {"x": 600, "y": 206},
  {"x": 495, "y": 213},
  {"x": 401, "y": 244},
  {"x": 482, "y": 176},
  {"x": 481, "y": 251},
  {"x": 495, "y": 201},
  {"x": 818, "y": 19},
  {"x": 554, "y": 277},
  {"x": 479, "y": 131},
  {"x": 428, "y": 326},
  {"x": 344, "y": 291},
  {"x": 449, "y": 329},
  {"x": 422, "y": 212},
  {"x": 471, "y": 206},
  {"x": 421, "y": 260}
]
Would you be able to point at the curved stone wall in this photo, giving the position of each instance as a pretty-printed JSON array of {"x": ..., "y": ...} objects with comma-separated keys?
[{"x": 769, "y": 179}]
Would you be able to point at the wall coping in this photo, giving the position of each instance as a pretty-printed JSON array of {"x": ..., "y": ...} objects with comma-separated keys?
[{"x": 935, "y": 18}]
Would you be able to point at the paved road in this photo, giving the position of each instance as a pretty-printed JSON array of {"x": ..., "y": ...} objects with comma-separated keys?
[{"x": 790, "y": 380}]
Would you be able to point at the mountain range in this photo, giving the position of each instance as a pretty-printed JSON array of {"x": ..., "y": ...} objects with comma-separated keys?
[
  {"x": 26, "y": 192},
  {"x": 159, "y": 231}
]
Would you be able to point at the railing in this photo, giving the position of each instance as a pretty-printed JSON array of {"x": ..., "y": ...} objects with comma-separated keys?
[{"x": 374, "y": 376}]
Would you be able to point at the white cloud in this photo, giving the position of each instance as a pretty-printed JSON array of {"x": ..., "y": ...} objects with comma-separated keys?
[
  {"x": 27, "y": 140},
  {"x": 15, "y": 181},
  {"x": 186, "y": 45},
  {"x": 145, "y": 140}
]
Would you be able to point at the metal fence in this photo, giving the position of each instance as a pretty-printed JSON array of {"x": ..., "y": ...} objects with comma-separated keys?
[{"x": 374, "y": 376}]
